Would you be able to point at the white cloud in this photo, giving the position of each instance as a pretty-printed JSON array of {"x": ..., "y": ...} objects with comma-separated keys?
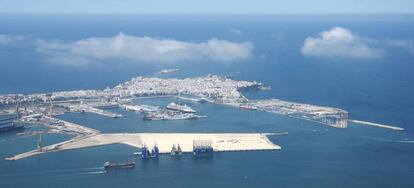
[
  {"x": 7, "y": 39},
  {"x": 279, "y": 36},
  {"x": 142, "y": 49},
  {"x": 404, "y": 44},
  {"x": 340, "y": 42},
  {"x": 235, "y": 31}
]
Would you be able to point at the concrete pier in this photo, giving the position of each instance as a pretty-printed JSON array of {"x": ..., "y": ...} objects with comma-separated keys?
[
  {"x": 376, "y": 125},
  {"x": 69, "y": 127},
  {"x": 221, "y": 142},
  {"x": 90, "y": 109}
]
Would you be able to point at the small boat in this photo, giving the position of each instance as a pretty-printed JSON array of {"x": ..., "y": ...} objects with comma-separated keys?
[
  {"x": 247, "y": 107},
  {"x": 166, "y": 71},
  {"x": 153, "y": 116},
  {"x": 128, "y": 164},
  {"x": 138, "y": 153}
]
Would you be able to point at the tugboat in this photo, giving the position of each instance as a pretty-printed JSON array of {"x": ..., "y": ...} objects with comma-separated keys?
[
  {"x": 176, "y": 151},
  {"x": 128, "y": 164}
]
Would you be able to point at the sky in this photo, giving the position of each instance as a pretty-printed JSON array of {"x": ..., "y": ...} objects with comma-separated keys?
[
  {"x": 206, "y": 7},
  {"x": 334, "y": 43}
]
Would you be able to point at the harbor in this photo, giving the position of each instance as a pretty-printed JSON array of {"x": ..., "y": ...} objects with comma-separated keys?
[
  {"x": 41, "y": 109},
  {"x": 232, "y": 94},
  {"x": 211, "y": 88}
]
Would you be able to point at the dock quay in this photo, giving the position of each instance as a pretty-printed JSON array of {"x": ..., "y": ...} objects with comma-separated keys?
[
  {"x": 171, "y": 115},
  {"x": 221, "y": 142},
  {"x": 90, "y": 109},
  {"x": 68, "y": 127},
  {"x": 334, "y": 117},
  {"x": 107, "y": 105}
]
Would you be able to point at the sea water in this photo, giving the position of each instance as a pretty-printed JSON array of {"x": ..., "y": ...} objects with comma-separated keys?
[{"x": 312, "y": 155}]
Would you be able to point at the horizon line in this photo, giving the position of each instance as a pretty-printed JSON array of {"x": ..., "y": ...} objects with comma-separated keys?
[{"x": 215, "y": 14}]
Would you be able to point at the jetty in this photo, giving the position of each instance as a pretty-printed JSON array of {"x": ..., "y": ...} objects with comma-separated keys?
[
  {"x": 221, "y": 142},
  {"x": 376, "y": 125},
  {"x": 68, "y": 127},
  {"x": 90, "y": 109}
]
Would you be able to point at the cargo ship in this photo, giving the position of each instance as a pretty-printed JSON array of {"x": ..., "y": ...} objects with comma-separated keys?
[
  {"x": 128, "y": 164},
  {"x": 180, "y": 107}
]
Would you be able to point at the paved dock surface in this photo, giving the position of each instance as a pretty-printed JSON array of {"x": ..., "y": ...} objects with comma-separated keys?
[{"x": 221, "y": 142}]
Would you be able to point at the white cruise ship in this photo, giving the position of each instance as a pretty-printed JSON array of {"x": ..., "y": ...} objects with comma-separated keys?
[{"x": 180, "y": 107}]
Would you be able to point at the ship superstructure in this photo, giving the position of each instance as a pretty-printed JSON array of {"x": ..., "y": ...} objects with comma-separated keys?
[{"x": 180, "y": 107}]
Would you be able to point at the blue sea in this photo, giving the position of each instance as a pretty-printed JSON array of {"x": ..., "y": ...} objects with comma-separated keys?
[{"x": 313, "y": 155}]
